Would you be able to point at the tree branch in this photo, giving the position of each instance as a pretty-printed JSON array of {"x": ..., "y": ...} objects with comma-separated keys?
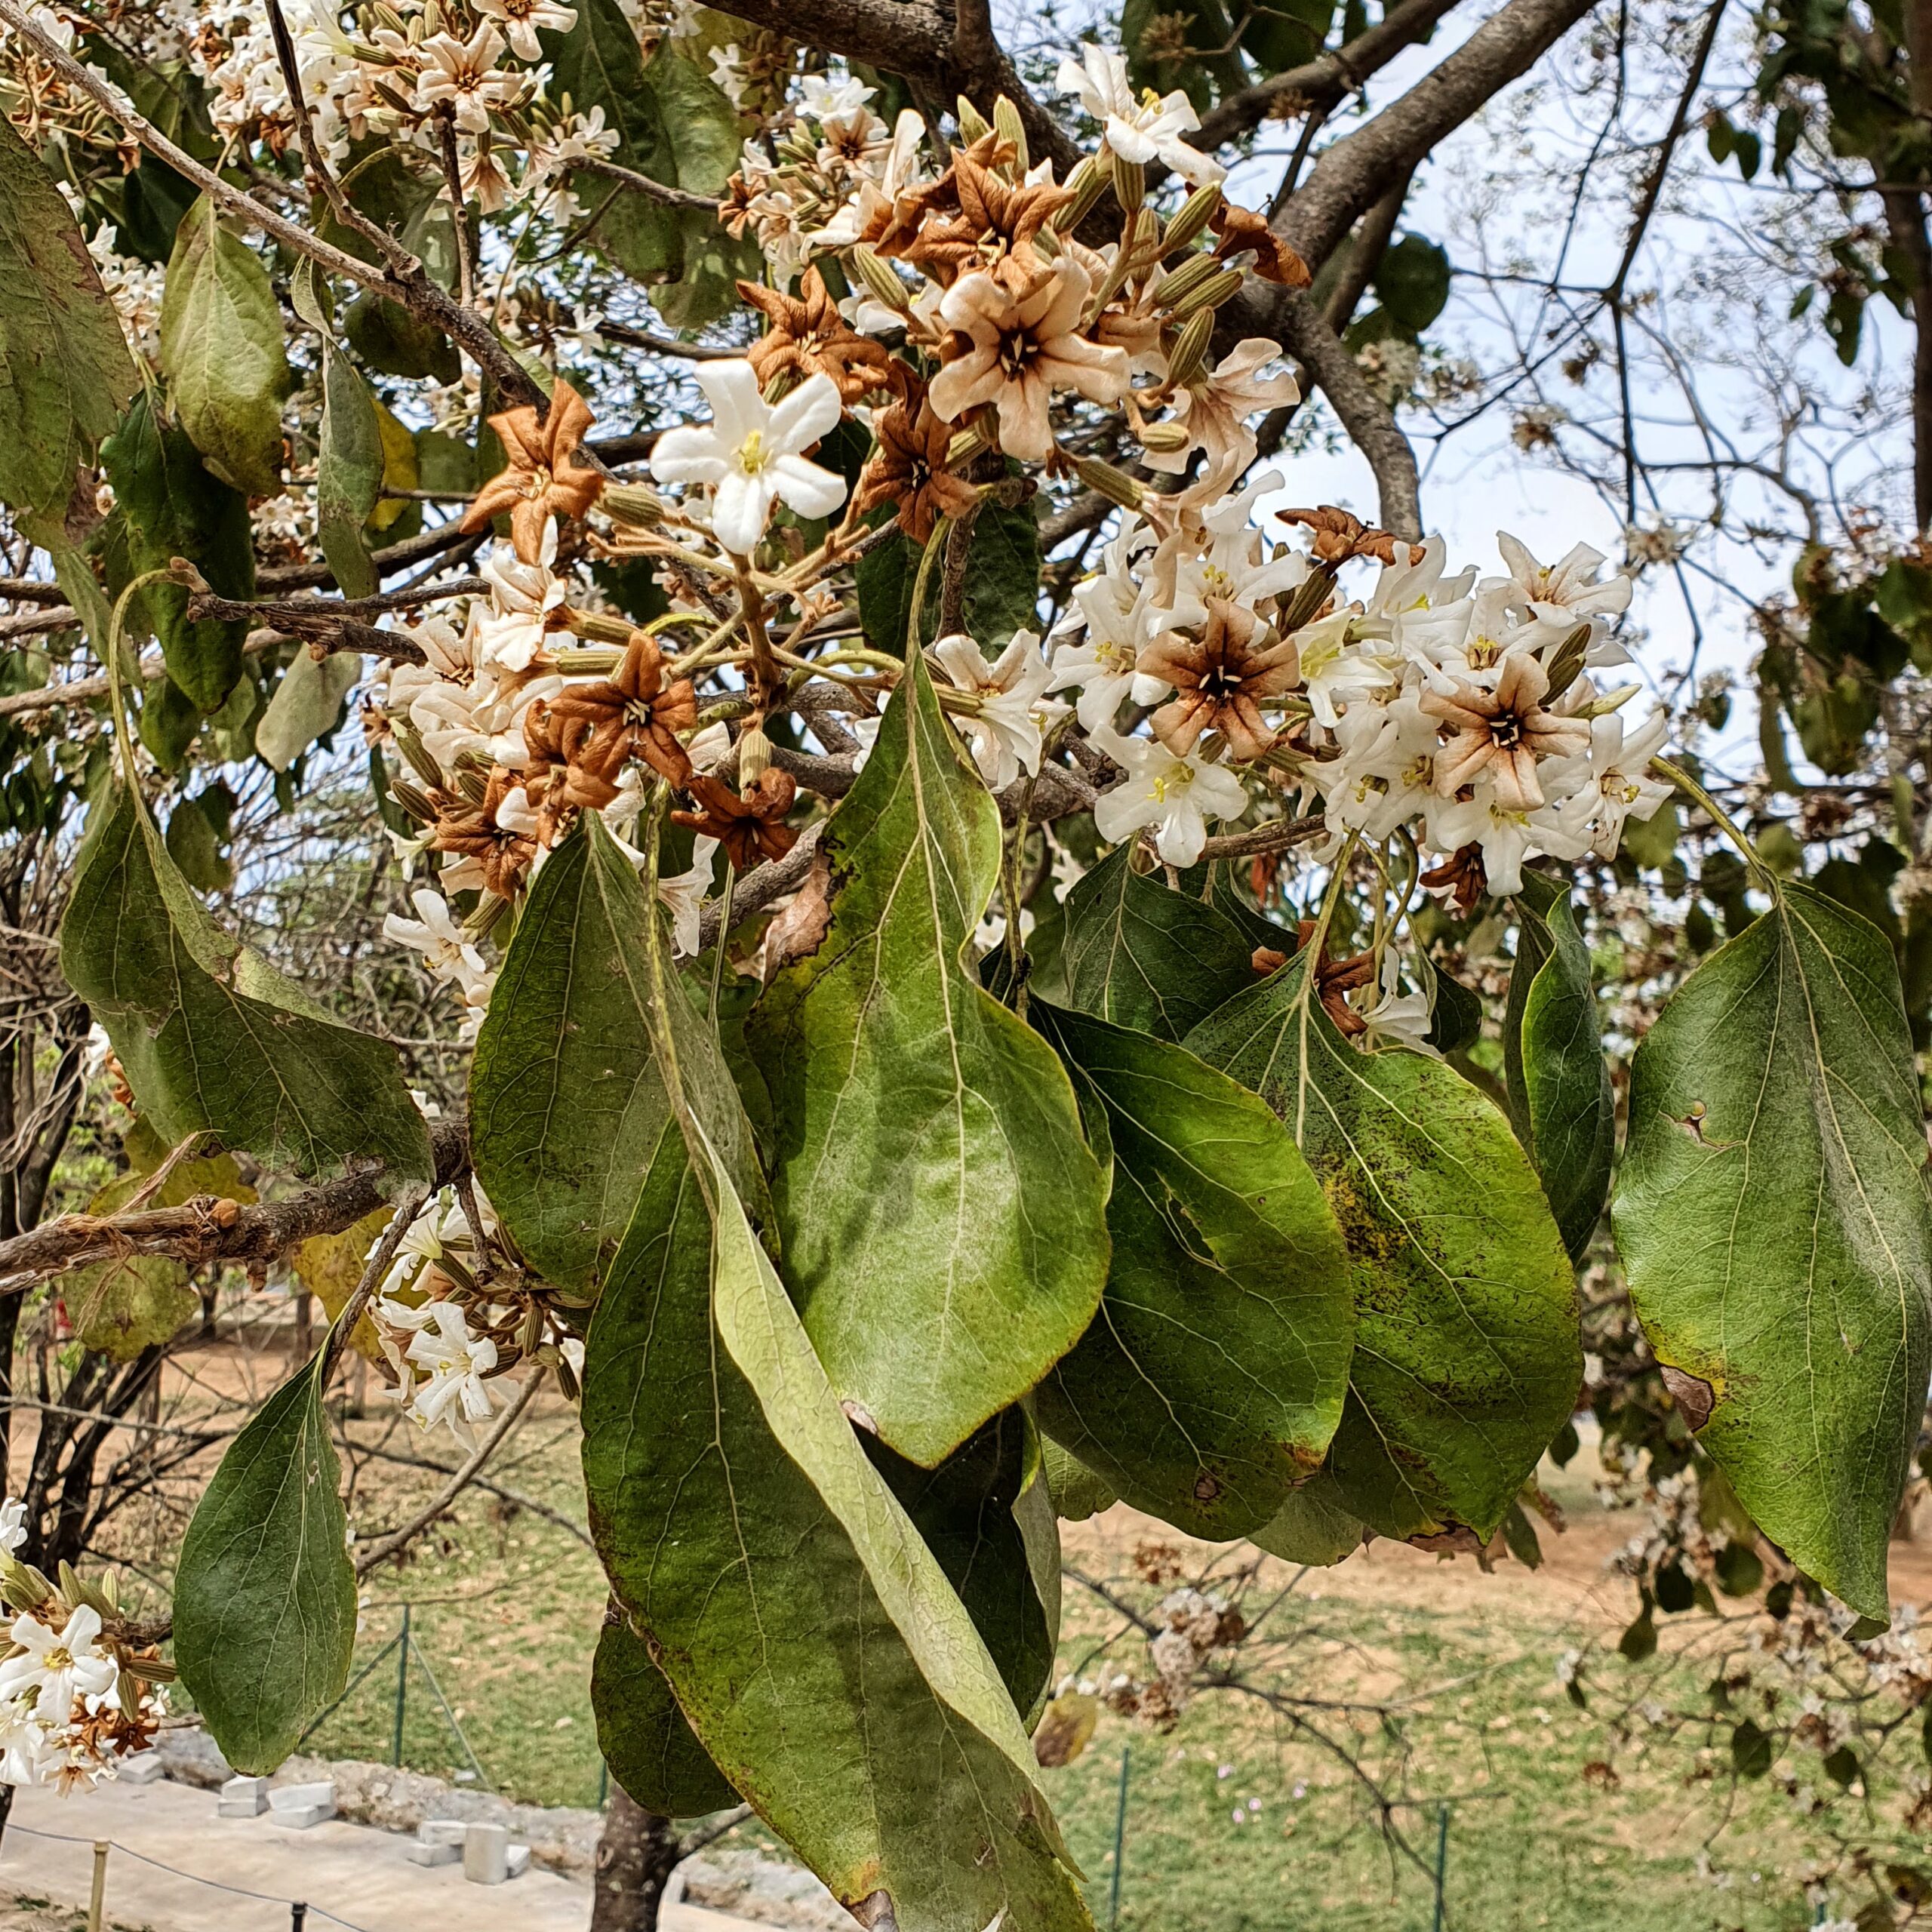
[{"x": 197, "y": 1232}]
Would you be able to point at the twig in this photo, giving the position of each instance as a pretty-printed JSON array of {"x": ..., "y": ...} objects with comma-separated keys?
[{"x": 398, "y": 1539}]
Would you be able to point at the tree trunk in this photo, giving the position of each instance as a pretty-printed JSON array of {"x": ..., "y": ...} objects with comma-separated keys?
[{"x": 636, "y": 1858}]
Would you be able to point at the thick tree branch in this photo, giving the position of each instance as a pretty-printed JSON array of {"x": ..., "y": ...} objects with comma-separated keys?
[
  {"x": 200, "y": 1230},
  {"x": 338, "y": 624}
]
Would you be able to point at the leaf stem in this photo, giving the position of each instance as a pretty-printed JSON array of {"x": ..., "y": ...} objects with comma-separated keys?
[
  {"x": 1720, "y": 818},
  {"x": 116, "y": 624}
]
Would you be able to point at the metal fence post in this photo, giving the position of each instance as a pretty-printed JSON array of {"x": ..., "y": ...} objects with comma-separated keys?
[
  {"x": 1120, "y": 1841},
  {"x": 1441, "y": 1862},
  {"x": 298, "y": 1917},
  {"x": 401, "y": 1687},
  {"x": 95, "y": 1903}
]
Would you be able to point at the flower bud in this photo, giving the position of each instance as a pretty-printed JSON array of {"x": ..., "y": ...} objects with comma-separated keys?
[
  {"x": 1192, "y": 218},
  {"x": 880, "y": 281},
  {"x": 753, "y": 755},
  {"x": 1186, "y": 279},
  {"x": 1086, "y": 184},
  {"x": 636, "y": 505},
  {"x": 1010, "y": 128},
  {"x": 1211, "y": 292},
  {"x": 1165, "y": 437},
  {"x": 1130, "y": 179},
  {"x": 973, "y": 125},
  {"x": 1190, "y": 350},
  {"x": 1115, "y": 484}
]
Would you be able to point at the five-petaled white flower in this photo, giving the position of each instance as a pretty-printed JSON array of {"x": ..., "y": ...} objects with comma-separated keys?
[
  {"x": 1177, "y": 795},
  {"x": 448, "y": 951},
  {"x": 463, "y": 76},
  {"x": 1005, "y": 733},
  {"x": 60, "y": 1667},
  {"x": 1145, "y": 130},
  {"x": 521, "y": 18},
  {"x": 12, "y": 1525},
  {"x": 751, "y": 454}
]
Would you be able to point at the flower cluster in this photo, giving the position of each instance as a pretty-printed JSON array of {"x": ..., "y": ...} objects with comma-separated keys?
[
  {"x": 78, "y": 1695},
  {"x": 453, "y": 1314}
]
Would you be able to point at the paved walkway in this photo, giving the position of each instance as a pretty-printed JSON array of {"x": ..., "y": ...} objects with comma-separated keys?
[{"x": 204, "y": 1868}]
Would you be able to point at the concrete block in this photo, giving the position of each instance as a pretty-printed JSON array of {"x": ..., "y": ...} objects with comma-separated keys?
[
  {"x": 443, "y": 1831},
  {"x": 298, "y": 1806},
  {"x": 144, "y": 1768},
  {"x": 518, "y": 1860},
  {"x": 486, "y": 1854},
  {"x": 243, "y": 1797},
  {"x": 434, "y": 1852}
]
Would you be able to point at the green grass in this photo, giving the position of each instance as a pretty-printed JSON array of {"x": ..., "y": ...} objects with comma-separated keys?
[{"x": 505, "y": 1607}]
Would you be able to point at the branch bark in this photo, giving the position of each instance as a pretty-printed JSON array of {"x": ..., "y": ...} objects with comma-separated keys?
[{"x": 193, "y": 1233}]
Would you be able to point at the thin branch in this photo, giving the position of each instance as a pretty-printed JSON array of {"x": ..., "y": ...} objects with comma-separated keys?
[{"x": 658, "y": 191}]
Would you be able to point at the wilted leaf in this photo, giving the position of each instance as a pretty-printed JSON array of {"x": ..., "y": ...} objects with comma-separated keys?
[
  {"x": 1560, "y": 1096},
  {"x": 1064, "y": 1730},
  {"x": 209, "y": 1035},
  {"x": 221, "y": 348},
  {"x": 330, "y": 1265},
  {"x": 1772, "y": 1214},
  {"x": 64, "y": 370},
  {"x": 1138, "y": 953},
  {"x": 264, "y": 1591},
  {"x": 646, "y": 1740},
  {"x": 306, "y": 703},
  {"x": 943, "y": 1222},
  {"x": 1212, "y": 1377},
  {"x": 1467, "y": 1358}
]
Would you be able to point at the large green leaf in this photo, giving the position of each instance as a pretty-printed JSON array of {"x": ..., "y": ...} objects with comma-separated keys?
[
  {"x": 209, "y": 1034},
  {"x": 174, "y": 508},
  {"x": 964, "y": 1512},
  {"x": 306, "y": 703},
  {"x": 1467, "y": 1357},
  {"x": 567, "y": 1109},
  {"x": 646, "y": 1740},
  {"x": 599, "y": 63},
  {"x": 264, "y": 1592},
  {"x": 823, "y": 1660},
  {"x": 1560, "y": 1096},
  {"x": 64, "y": 370},
  {"x": 1772, "y": 1214},
  {"x": 222, "y": 349},
  {"x": 943, "y": 1222},
  {"x": 1313, "y": 1525},
  {"x": 1135, "y": 951},
  {"x": 1213, "y": 1378}
]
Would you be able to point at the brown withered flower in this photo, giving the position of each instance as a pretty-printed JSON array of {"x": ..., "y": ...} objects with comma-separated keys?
[
  {"x": 908, "y": 469},
  {"x": 993, "y": 225},
  {"x": 1220, "y": 679},
  {"x": 635, "y": 712},
  {"x": 1340, "y": 535},
  {"x": 894, "y": 222},
  {"x": 1461, "y": 875},
  {"x": 544, "y": 478},
  {"x": 1244, "y": 232},
  {"x": 806, "y": 332},
  {"x": 1336, "y": 979},
  {"x": 471, "y": 831},
  {"x": 1502, "y": 732},
  {"x": 749, "y": 828}
]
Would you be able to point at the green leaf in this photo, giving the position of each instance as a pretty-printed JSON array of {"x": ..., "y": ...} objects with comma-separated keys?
[
  {"x": 646, "y": 1738},
  {"x": 1313, "y": 1526},
  {"x": 264, "y": 1592},
  {"x": 348, "y": 468},
  {"x": 599, "y": 63},
  {"x": 1138, "y": 953},
  {"x": 1560, "y": 1095},
  {"x": 174, "y": 508},
  {"x": 943, "y": 1222},
  {"x": 1075, "y": 1490},
  {"x": 1413, "y": 280},
  {"x": 1771, "y": 1215},
  {"x": 701, "y": 127},
  {"x": 1213, "y": 1378},
  {"x": 567, "y": 1109},
  {"x": 1467, "y": 1356},
  {"x": 1001, "y": 593},
  {"x": 306, "y": 703},
  {"x": 790, "y": 1600},
  {"x": 964, "y": 1512},
  {"x": 1750, "y": 1749},
  {"x": 221, "y": 348},
  {"x": 209, "y": 1034},
  {"x": 65, "y": 371}
]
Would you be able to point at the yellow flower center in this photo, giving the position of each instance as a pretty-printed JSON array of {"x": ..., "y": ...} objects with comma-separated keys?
[{"x": 751, "y": 454}]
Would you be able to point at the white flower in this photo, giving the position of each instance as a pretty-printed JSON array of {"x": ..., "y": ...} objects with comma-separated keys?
[
  {"x": 1568, "y": 590},
  {"x": 750, "y": 453},
  {"x": 1215, "y": 409},
  {"x": 447, "y": 950},
  {"x": 510, "y": 634},
  {"x": 1177, "y": 796},
  {"x": 12, "y": 1525},
  {"x": 521, "y": 18},
  {"x": 1398, "y": 1019},
  {"x": 1142, "y": 130},
  {"x": 684, "y": 895},
  {"x": 1121, "y": 617},
  {"x": 60, "y": 1667},
  {"x": 464, "y": 75},
  {"x": 27, "y": 1755},
  {"x": 454, "y": 1362},
  {"x": 836, "y": 100},
  {"x": 1005, "y": 733},
  {"x": 1335, "y": 673}
]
